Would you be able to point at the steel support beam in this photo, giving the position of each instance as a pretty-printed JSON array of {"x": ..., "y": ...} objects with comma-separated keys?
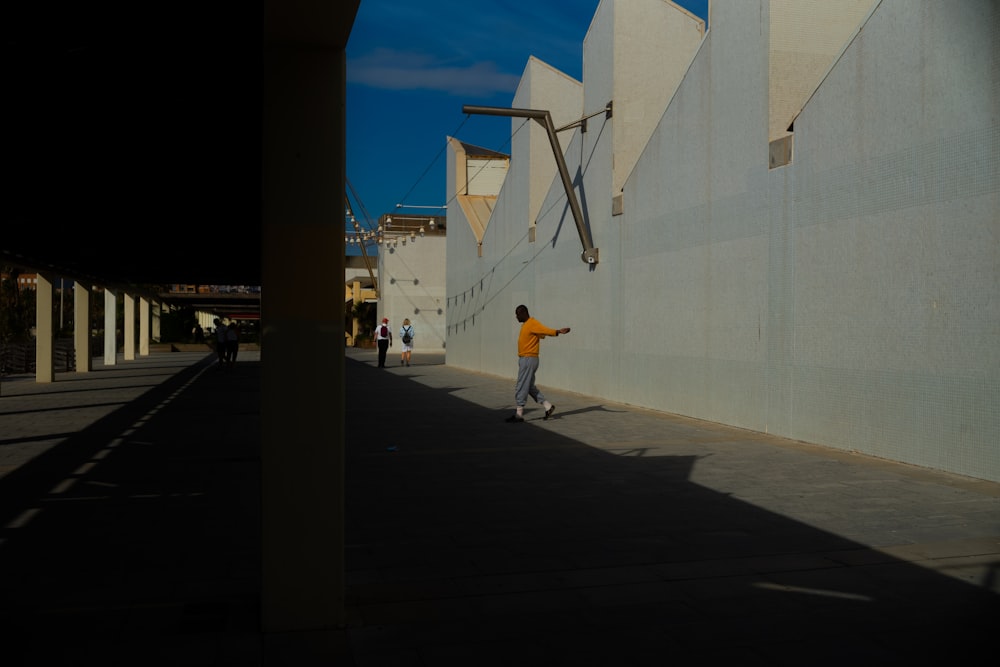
[{"x": 544, "y": 118}]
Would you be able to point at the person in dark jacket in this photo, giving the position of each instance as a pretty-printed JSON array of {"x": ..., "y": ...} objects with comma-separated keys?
[{"x": 383, "y": 338}]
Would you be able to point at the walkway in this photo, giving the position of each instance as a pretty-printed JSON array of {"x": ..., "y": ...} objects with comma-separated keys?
[{"x": 604, "y": 536}]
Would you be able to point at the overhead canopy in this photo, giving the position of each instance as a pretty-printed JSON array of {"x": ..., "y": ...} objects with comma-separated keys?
[{"x": 132, "y": 153}]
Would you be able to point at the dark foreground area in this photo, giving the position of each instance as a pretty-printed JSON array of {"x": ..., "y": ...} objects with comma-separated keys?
[{"x": 129, "y": 506}]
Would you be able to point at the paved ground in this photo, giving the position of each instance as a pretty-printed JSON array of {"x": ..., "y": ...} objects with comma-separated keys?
[
  {"x": 606, "y": 535},
  {"x": 128, "y": 515}
]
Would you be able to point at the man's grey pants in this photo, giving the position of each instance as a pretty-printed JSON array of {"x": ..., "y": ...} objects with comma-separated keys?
[{"x": 526, "y": 369}]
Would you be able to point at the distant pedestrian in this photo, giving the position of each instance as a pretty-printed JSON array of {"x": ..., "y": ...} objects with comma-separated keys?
[
  {"x": 406, "y": 336},
  {"x": 383, "y": 338},
  {"x": 232, "y": 343},
  {"x": 528, "y": 344},
  {"x": 220, "y": 341}
]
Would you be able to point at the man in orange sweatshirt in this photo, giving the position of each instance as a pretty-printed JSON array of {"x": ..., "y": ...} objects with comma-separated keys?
[{"x": 528, "y": 342}]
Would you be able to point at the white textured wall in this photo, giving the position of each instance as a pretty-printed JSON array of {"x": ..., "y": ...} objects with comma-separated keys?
[
  {"x": 486, "y": 175},
  {"x": 850, "y": 298},
  {"x": 806, "y": 38},
  {"x": 693, "y": 234},
  {"x": 464, "y": 339},
  {"x": 412, "y": 285},
  {"x": 652, "y": 48},
  {"x": 533, "y": 166},
  {"x": 892, "y": 238}
]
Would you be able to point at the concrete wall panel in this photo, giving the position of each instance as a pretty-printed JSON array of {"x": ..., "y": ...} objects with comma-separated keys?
[{"x": 850, "y": 298}]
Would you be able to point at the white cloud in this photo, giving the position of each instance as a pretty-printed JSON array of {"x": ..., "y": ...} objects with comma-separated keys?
[{"x": 397, "y": 70}]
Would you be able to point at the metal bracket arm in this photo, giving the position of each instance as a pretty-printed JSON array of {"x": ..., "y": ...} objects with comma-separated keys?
[
  {"x": 582, "y": 123},
  {"x": 544, "y": 118}
]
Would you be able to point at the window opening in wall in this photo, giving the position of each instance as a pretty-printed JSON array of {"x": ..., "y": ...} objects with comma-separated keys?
[{"x": 780, "y": 151}]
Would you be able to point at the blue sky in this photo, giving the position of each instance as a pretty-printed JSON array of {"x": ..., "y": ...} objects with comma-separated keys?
[{"x": 411, "y": 66}]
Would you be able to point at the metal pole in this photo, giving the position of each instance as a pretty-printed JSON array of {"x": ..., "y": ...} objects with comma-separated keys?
[{"x": 590, "y": 253}]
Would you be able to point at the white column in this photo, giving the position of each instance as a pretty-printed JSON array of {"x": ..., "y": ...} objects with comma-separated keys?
[
  {"x": 356, "y": 296},
  {"x": 44, "y": 330},
  {"x": 129, "y": 326},
  {"x": 81, "y": 327},
  {"x": 110, "y": 321},
  {"x": 157, "y": 311},
  {"x": 144, "y": 323}
]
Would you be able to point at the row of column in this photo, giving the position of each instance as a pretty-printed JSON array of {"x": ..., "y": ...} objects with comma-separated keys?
[
  {"x": 303, "y": 157},
  {"x": 149, "y": 325}
]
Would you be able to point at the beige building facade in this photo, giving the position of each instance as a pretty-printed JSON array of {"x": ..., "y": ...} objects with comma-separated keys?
[{"x": 411, "y": 278}]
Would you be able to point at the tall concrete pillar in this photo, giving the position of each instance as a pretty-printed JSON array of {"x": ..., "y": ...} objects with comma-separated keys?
[
  {"x": 45, "y": 339},
  {"x": 128, "y": 328},
  {"x": 81, "y": 327},
  {"x": 155, "y": 324},
  {"x": 144, "y": 323},
  {"x": 110, "y": 322},
  {"x": 356, "y": 295},
  {"x": 302, "y": 447}
]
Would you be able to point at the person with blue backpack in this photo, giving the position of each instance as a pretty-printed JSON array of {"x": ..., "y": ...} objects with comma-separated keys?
[{"x": 406, "y": 335}]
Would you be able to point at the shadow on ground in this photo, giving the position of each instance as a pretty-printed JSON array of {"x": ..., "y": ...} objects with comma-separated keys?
[
  {"x": 469, "y": 542},
  {"x": 473, "y": 541},
  {"x": 135, "y": 541}
]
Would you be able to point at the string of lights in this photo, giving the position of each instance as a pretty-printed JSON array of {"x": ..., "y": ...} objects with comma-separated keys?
[
  {"x": 477, "y": 302},
  {"x": 437, "y": 157}
]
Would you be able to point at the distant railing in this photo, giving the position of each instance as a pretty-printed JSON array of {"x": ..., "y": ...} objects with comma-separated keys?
[{"x": 17, "y": 358}]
